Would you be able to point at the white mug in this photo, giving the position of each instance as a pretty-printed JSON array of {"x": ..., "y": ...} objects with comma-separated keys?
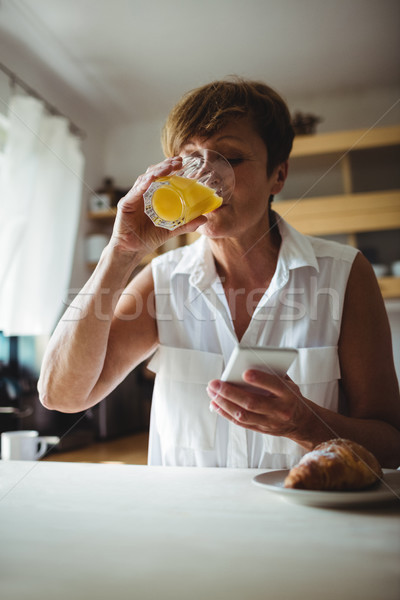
[{"x": 25, "y": 445}]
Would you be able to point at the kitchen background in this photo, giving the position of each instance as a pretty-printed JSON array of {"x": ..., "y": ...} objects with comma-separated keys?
[{"x": 115, "y": 68}]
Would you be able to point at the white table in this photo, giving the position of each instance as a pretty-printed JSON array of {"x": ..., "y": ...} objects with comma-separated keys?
[{"x": 83, "y": 531}]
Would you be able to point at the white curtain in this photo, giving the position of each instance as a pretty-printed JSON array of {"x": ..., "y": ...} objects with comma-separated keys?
[{"x": 40, "y": 198}]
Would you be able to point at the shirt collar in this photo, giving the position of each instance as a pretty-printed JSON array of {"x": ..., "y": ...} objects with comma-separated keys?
[
  {"x": 296, "y": 251},
  {"x": 198, "y": 263}
]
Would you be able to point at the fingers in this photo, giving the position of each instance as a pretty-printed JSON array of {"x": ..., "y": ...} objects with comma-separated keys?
[
  {"x": 144, "y": 181},
  {"x": 132, "y": 222},
  {"x": 191, "y": 226},
  {"x": 275, "y": 384},
  {"x": 258, "y": 408},
  {"x": 258, "y": 383},
  {"x": 234, "y": 397},
  {"x": 237, "y": 417}
]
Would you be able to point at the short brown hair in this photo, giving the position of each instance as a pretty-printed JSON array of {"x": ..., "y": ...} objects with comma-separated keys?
[{"x": 205, "y": 110}]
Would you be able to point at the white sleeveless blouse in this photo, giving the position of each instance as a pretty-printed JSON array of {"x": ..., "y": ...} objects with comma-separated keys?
[{"x": 302, "y": 308}]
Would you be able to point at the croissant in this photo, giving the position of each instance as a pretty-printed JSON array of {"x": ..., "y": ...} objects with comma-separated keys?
[{"x": 337, "y": 464}]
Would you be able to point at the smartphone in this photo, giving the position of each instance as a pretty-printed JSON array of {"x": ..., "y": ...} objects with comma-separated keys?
[{"x": 270, "y": 360}]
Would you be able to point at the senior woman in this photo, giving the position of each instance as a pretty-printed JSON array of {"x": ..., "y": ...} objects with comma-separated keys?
[{"x": 249, "y": 279}]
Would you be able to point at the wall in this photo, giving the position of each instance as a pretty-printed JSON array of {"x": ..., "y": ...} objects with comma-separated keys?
[
  {"x": 352, "y": 110},
  {"x": 132, "y": 148}
]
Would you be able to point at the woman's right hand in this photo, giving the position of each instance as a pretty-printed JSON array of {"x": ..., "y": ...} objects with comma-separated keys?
[{"x": 133, "y": 231}]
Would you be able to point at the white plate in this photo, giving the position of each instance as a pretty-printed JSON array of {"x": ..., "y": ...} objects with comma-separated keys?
[{"x": 388, "y": 489}]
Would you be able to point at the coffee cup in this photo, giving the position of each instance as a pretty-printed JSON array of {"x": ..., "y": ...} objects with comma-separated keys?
[{"x": 25, "y": 445}]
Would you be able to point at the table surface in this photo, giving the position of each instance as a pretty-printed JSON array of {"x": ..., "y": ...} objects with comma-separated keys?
[{"x": 120, "y": 531}]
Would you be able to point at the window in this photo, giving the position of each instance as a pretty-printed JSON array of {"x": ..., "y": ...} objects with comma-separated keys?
[{"x": 4, "y": 124}]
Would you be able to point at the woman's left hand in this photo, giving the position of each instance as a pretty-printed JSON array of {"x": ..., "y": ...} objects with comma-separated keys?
[{"x": 273, "y": 405}]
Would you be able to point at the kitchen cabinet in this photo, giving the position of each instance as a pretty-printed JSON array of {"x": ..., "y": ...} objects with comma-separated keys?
[{"x": 361, "y": 168}]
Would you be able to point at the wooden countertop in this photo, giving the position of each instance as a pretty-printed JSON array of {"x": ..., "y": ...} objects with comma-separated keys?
[{"x": 130, "y": 450}]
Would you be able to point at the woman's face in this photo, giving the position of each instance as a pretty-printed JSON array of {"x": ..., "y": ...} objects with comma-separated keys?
[{"x": 246, "y": 212}]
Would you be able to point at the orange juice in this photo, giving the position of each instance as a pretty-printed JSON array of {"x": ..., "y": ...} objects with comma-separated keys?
[{"x": 174, "y": 200}]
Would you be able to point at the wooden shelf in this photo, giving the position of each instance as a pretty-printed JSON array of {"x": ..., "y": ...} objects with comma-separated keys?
[
  {"x": 346, "y": 213},
  {"x": 390, "y": 287},
  {"x": 344, "y": 141},
  {"x": 101, "y": 215},
  {"x": 130, "y": 450}
]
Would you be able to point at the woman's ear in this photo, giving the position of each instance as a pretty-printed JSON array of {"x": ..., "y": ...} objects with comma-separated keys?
[{"x": 279, "y": 176}]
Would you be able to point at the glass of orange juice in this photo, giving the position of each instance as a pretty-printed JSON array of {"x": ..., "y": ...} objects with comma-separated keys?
[{"x": 205, "y": 181}]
